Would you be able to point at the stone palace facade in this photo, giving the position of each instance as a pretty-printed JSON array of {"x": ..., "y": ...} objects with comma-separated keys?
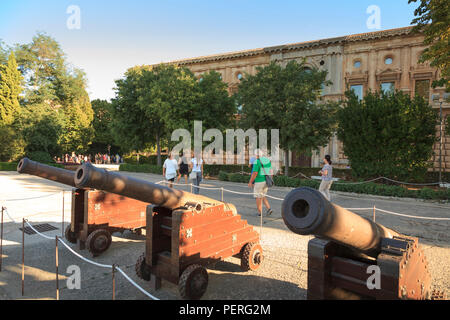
[{"x": 369, "y": 61}]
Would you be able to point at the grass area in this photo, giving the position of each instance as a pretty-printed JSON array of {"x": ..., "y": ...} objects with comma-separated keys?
[{"x": 12, "y": 166}]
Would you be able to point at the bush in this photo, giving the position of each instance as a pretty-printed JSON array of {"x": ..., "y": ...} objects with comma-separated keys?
[
  {"x": 146, "y": 168},
  {"x": 388, "y": 135},
  {"x": 40, "y": 156},
  {"x": 365, "y": 188},
  {"x": 8, "y": 166}
]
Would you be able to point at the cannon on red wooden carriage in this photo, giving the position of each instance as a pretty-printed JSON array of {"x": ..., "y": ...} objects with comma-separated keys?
[
  {"x": 353, "y": 257},
  {"x": 185, "y": 232},
  {"x": 95, "y": 214}
]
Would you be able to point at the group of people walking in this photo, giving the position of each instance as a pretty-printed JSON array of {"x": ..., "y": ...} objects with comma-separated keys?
[
  {"x": 260, "y": 177},
  {"x": 173, "y": 169}
]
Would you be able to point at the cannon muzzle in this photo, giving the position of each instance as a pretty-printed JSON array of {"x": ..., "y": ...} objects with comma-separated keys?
[
  {"x": 47, "y": 172},
  {"x": 306, "y": 211},
  {"x": 88, "y": 176}
]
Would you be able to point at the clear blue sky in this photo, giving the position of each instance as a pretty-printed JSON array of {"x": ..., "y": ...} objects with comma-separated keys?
[{"x": 118, "y": 34}]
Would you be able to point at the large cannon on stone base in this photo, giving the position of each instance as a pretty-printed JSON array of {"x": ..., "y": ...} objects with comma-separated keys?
[
  {"x": 95, "y": 214},
  {"x": 353, "y": 257},
  {"x": 185, "y": 232}
]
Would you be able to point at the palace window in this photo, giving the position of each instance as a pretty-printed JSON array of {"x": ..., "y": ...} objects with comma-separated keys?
[
  {"x": 357, "y": 64},
  {"x": 358, "y": 90},
  {"x": 239, "y": 76},
  {"x": 387, "y": 87},
  {"x": 388, "y": 60},
  {"x": 422, "y": 88}
]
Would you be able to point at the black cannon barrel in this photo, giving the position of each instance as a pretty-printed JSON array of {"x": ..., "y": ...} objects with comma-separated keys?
[
  {"x": 306, "y": 211},
  {"x": 45, "y": 171},
  {"x": 88, "y": 176}
]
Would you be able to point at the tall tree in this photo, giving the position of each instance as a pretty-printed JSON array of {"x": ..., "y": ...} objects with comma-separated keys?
[
  {"x": 131, "y": 128},
  {"x": 169, "y": 97},
  {"x": 10, "y": 88},
  {"x": 50, "y": 81},
  {"x": 101, "y": 124},
  {"x": 387, "y": 134},
  {"x": 433, "y": 19},
  {"x": 216, "y": 108},
  {"x": 11, "y": 143},
  {"x": 288, "y": 98}
]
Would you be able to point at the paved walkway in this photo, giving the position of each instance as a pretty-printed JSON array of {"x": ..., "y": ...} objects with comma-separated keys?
[{"x": 283, "y": 274}]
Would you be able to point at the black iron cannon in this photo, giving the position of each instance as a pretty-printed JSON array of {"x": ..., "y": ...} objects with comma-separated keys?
[
  {"x": 185, "y": 231},
  {"x": 353, "y": 257}
]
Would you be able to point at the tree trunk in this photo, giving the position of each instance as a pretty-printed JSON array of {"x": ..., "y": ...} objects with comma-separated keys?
[
  {"x": 158, "y": 150},
  {"x": 286, "y": 163}
]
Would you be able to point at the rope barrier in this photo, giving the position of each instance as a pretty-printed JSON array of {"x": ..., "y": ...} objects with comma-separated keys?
[
  {"x": 135, "y": 284},
  {"x": 40, "y": 197},
  {"x": 94, "y": 263},
  {"x": 409, "y": 216}
]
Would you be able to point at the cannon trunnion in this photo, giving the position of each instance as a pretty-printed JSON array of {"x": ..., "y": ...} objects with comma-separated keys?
[{"x": 353, "y": 257}]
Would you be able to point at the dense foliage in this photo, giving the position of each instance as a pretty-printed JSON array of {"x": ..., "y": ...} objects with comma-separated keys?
[
  {"x": 387, "y": 134},
  {"x": 433, "y": 19},
  {"x": 288, "y": 98}
]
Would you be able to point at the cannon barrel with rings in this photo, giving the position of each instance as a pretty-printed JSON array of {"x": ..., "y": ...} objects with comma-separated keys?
[
  {"x": 352, "y": 257},
  {"x": 95, "y": 214},
  {"x": 185, "y": 232}
]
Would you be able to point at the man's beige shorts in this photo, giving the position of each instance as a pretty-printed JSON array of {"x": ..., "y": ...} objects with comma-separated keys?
[{"x": 260, "y": 189}]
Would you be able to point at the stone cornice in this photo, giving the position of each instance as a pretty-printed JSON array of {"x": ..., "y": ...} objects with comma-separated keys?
[{"x": 297, "y": 46}]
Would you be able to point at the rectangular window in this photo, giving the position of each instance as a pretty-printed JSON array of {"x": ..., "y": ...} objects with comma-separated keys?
[
  {"x": 388, "y": 87},
  {"x": 358, "y": 89},
  {"x": 422, "y": 88}
]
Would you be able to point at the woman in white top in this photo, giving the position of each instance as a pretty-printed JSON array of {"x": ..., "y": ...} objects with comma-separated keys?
[
  {"x": 197, "y": 167},
  {"x": 170, "y": 169}
]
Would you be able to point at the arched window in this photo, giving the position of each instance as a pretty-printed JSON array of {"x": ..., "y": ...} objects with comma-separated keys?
[{"x": 388, "y": 60}]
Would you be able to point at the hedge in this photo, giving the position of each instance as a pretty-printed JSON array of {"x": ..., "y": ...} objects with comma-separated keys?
[
  {"x": 210, "y": 170},
  {"x": 366, "y": 188},
  {"x": 147, "y": 168}
]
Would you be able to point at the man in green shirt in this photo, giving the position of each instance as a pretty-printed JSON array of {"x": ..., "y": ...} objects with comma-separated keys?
[{"x": 261, "y": 167}]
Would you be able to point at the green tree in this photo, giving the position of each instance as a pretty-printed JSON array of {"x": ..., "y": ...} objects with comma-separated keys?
[
  {"x": 11, "y": 143},
  {"x": 51, "y": 81},
  {"x": 102, "y": 126},
  {"x": 387, "y": 134},
  {"x": 288, "y": 98},
  {"x": 130, "y": 126},
  {"x": 169, "y": 98},
  {"x": 10, "y": 88},
  {"x": 215, "y": 107},
  {"x": 433, "y": 19}
]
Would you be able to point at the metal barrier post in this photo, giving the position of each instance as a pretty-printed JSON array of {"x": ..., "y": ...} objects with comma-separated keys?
[
  {"x": 374, "y": 212},
  {"x": 23, "y": 256},
  {"x": 56, "y": 260},
  {"x": 114, "y": 282},
  {"x": 1, "y": 242}
]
